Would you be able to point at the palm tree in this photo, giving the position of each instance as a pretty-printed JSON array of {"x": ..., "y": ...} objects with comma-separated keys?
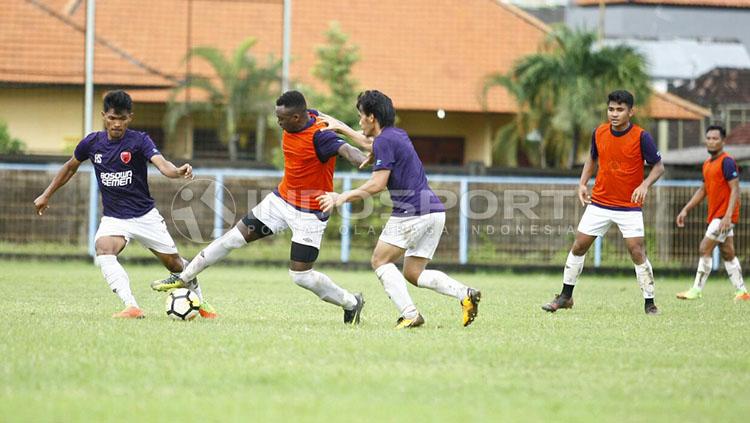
[
  {"x": 529, "y": 127},
  {"x": 561, "y": 90},
  {"x": 240, "y": 87}
]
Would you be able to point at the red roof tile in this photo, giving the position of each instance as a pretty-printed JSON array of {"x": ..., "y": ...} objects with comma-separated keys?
[{"x": 425, "y": 54}]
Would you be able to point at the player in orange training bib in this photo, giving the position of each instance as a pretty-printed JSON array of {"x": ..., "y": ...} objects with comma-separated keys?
[
  {"x": 620, "y": 148},
  {"x": 721, "y": 184}
]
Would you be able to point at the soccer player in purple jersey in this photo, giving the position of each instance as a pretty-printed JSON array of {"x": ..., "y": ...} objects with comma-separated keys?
[
  {"x": 120, "y": 157},
  {"x": 418, "y": 216}
]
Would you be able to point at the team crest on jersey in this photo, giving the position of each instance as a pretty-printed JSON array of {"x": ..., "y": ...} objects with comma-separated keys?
[
  {"x": 125, "y": 157},
  {"x": 97, "y": 158}
]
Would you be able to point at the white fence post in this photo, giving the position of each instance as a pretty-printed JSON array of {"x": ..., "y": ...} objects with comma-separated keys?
[
  {"x": 463, "y": 222},
  {"x": 218, "y": 205},
  {"x": 345, "y": 222},
  {"x": 598, "y": 251},
  {"x": 93, "y": 211}
]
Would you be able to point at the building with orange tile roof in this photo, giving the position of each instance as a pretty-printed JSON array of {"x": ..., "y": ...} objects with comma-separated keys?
[{"x": 426, "y": 55}]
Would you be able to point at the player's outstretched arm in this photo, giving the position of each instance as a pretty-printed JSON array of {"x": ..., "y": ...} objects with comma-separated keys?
[
  {"x": 639, "y": 194},
  {"x": 696, "y": 199},
  {"x": 169, "y": 170},
  {"x": 353, "y": 155},
  {"x": 377, "y": 183},
  {"x": 334, "y": 124},
  {"x": 66, "y": 172}
]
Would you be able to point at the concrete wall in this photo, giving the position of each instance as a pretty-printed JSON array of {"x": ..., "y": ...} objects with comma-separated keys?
[
  {"x": 48, "y": 120},
  {"x": 663, "y": 22}
]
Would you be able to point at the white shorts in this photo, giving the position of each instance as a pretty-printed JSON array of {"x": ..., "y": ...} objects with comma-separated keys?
[
  {"x": 596, "y": 222},
  {"x": 418, "y": 235},
  {"x": 713, "y": 231},
  {"x": 149, "y": 229},
  {"x": 277, "y": 214}
]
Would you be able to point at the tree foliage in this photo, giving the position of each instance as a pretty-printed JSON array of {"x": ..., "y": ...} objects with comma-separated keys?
[
  {"x": 561, "y": 94},
  {"x": 239, "y": 89},
  {"x": 335, "y": 61},
  {"x": 8, "y": 143}
]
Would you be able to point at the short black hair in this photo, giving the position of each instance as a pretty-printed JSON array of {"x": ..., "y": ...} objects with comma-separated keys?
[
  {"x": 119, "y": 101},
  {"x": 722, "y": 131},
  {"x": 373, "y": 102},
  {"x": 621, "y": 96},
  {"x": 292, "y": 100}
]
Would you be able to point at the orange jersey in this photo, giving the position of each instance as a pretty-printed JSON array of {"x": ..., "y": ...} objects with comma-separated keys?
[
  {"x": 716, "y": 176},
  {"x": 308, "y": 173},
  {"x": 621, "y": 156}
]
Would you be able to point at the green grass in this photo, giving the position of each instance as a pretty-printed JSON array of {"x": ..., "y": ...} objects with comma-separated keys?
[{"x": 279, "y": 354}]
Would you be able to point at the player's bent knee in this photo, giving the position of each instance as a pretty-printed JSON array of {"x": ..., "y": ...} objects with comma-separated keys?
[
  {"x": 638, "y": 257},
  {"x": 255, "y": 228},
  {"x": 412, "y": 277},
  {"x": 233, "y": 239},
  {"x": 305, "y": 279},
  {"x": 376, "y": 262},
  {"x": 727, "y": 256}
]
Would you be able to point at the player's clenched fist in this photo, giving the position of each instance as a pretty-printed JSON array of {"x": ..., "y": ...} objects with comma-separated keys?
[
  {"x": 680, "y": 221},
  {"x": 583, "y": 195},
  {"x": 41, "y": 204},
  {"x": 186, "y": 171}
]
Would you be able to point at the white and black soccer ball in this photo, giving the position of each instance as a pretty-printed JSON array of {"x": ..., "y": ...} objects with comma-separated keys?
[{"x": 182, "y": 304}]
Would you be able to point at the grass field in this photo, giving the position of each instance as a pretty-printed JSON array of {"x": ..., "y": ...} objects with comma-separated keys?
[{"x": 279, "y": 354}]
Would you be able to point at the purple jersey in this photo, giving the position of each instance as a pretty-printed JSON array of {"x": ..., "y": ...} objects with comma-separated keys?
[
  {"x": 121, "y": 169},
  {"x": 407, "y": 184}
]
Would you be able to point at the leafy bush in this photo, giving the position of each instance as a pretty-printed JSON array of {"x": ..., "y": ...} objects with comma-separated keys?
[{"x": 9, "y": 144}]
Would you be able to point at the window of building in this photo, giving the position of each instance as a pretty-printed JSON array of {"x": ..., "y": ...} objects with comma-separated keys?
[
  {"x": 206, "y": 145},
  {"x": 155, "y": 132},
  {"x": 439, "y": 150}
]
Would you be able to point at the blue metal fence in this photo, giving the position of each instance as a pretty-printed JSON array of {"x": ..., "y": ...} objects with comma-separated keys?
[{"x": 347, "y": 179}]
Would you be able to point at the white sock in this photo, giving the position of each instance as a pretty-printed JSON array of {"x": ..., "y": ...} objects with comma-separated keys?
[
  {"x": 704, "y": 269},
  {"x": 322, "y": 286},
  {"x": 116, "y": 278},
  {"x": 735, "y": 274},
  {"x": 573, "y": 268},
  {"x": 645, "y": 275},
  {"x": 394, "y": 284},
  {"x": 442, "y": 283},
  {"x": 216, "y": 250},
  {"x": 193, "y": 284}
]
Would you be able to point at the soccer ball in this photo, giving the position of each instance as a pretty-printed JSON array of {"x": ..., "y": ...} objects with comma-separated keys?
[{"x": 182, "y": 304}]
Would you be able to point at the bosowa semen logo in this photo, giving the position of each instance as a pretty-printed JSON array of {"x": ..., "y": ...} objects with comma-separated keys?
[{"x": 194, "y": 209}]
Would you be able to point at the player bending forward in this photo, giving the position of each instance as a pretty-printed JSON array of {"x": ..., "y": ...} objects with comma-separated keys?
[
  {"x": 721, "y": 184},
  {"x": 418, "y": 217},
  {"x": 309, "y": 161},
  {"x": 120, "y": 157},
  {"x": 620, "y": 147}
]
